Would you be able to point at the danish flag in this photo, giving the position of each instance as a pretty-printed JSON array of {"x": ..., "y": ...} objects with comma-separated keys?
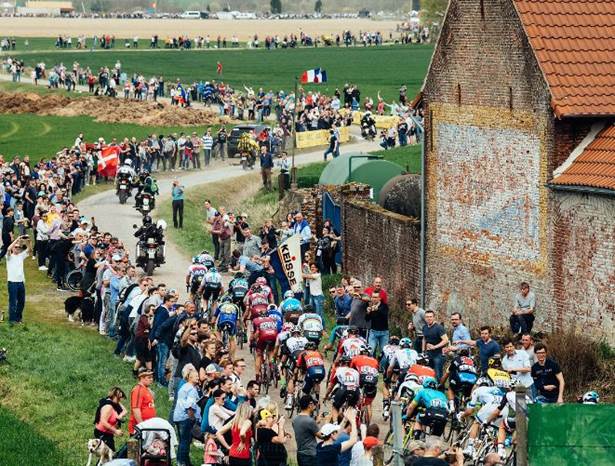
[{"x": 108, "y": 161}]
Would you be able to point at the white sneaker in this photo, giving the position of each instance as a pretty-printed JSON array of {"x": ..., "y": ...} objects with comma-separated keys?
[
  {"x": 289, "y": 402},
  {"x": 501, "y": 452},
  {"x": 42, "y": 267},
  {"x": 71, "y": 318},
  {"x": 469, "y": 451}
]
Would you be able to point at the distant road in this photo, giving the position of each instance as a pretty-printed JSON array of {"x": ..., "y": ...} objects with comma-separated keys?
[{"x": 145, "y": 28}]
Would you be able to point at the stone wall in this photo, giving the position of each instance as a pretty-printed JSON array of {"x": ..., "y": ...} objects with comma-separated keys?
[
  {"x": 380, "y": 242},
  {"x": 584, "y": 263}
]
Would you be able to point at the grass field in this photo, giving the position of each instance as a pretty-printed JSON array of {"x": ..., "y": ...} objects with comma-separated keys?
[
  {"x": 43, "y": 136},
  {"x": 373, "y": 69},
  {"x": 408, "y": 157}
]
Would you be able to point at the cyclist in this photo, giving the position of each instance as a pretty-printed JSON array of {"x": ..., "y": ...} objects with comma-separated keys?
[
  {"x": 264, "y": 335},
  {"x": 211, "y": 288},
  {"x": 505, "y": 412},
  {"x": 403, "y": 358},
  {"x": 496, "y": 374},
  {"x": 227, "y": 315},
  {"x": 434, "y": 403},
  {"x": 485, "y": 398},
  {"x": 238, "y": 287},
  {"x": 311, "y": 326},
  {"x": 275, "y": 314},
  {"x": 295, "y": 345},
  {"x": 388, "y": 351},
  {"x": 290, "y": 303},
  {"x": 409, "y": 387},
  {"x": 312, "y": 365},
  {"x": 352, "y": 344},
  {"x": 194, "y": 277},
  {"x": 462, "y": 376},
  {"x": 367, "y": 367},
  {"x": 339, "y": 332},
  {"x": 256, "y": 301},
  {"x": 345, "y": 381},
  {"x": 206, "y": 259}
]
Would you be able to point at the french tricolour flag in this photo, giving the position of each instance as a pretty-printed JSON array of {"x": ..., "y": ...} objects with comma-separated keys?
[{"x": 314, "y": 76}]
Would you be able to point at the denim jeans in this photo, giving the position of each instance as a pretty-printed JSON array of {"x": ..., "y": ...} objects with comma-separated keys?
[
  {"x": 521, "y": 323},
  {"x": 17, "y": 299},
  {"x": 184, "y": 429},
  {"x": 318, "y": 303},
  {"x": 162, "y": 353},
  {"x": 437, "y": 362},
  {"x": 378, "y": 338}
]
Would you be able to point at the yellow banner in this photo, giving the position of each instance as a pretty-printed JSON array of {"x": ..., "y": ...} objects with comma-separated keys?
[
  {"x": 382, "y": 121},
  {"x": 319, "y": 137}
]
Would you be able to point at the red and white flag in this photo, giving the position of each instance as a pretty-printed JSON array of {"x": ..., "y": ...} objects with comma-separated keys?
[
  {"x": 314, "y": 76},
  {"x": 219, "y": 67},
  {"x": 108, "y": 161}
]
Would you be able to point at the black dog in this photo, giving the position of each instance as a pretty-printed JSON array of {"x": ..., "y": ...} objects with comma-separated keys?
[{"x": 72, "y": 304}]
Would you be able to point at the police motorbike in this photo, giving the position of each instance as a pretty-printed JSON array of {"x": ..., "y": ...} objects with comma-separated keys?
[
  {"x": 124, "y": 187},
  {"x": 151, "y": 249},
  {"x": 248, "y": 160},
  {"x": 368, "y": 129},
  {"x": 147, "y": 204}
]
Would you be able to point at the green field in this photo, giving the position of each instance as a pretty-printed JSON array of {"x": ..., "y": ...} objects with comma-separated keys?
[
  {"x": 43, "y": 136},
  {"x": 373, "y": 69}
]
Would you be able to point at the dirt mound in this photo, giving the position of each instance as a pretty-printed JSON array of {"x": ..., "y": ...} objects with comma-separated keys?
[{"x": 109, "y": 110}]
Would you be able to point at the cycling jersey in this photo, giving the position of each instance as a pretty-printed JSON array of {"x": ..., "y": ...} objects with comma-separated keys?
[
  {"x": 290, "y": 304},
  {"x": 351, "y": 346},
  {"x": 266, "y": 327},
  {"x": 337, "y": 333},
  {"x": 403, "y": 358},
  {"x": 499, "y": 377},
  {"x": 196, "y": 272},
  {"x": 295, "y": 344},
  {"x": 367, "y": 367},
  {"x": 408, "y": 388},
  {"x": 227, "y": 314},
  {"x": 277, "y": 316},
  {"x": 347, "y": 377},
  {"x": 212, "y": 280},
  {"x": 430, "y": 398},
  {"x": 258, "y": 301},
  {"x": 485, "y": 395},
  {"x": 387, "y": 354},
  {"x": 239, "y": 288},
  {"x": 310, "y": 322},
  {"x": 421, "y": 372},
  {"x": 309, "y": 359}
]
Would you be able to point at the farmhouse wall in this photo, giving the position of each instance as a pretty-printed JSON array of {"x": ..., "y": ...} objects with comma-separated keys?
[
  {"x": 380, "y": 242},
  {"x": 584, "y": 263},
  {"x": 489, "y": 144}
]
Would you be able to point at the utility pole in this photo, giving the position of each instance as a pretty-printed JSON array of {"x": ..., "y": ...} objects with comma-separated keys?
[
  {"x": 521, "y": 428},
  {"x": 293, "y": 169}
]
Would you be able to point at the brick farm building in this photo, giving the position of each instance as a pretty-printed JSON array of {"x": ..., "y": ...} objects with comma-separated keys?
[{"x": 520, "y": 162}]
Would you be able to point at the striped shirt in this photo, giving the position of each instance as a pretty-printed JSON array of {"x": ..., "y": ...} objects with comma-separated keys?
[{"x": 208, "y": 142}]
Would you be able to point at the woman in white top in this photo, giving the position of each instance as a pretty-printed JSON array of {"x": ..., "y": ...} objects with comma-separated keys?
[
  {"x": 218, "y": 414},
  {"x": 314, "y": 281}
]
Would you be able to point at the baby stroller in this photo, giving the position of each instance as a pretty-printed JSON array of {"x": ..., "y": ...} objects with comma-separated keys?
[{"x": 156, "y": 442}]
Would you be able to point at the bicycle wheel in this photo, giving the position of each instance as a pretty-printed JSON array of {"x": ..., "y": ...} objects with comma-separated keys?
[{"x": 73, "y": 279}]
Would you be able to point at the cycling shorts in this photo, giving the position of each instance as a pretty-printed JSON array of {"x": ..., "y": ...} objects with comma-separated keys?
[
  {"x": 485, "y": 412},
  {"x": 510, "y": 424},
  {"x": 211, "y": 293},
  {"x": 313, "y": 336},
  {"x": 436, "y": 418},
  {"x": 369, "y": 392},
  {"x": 462, "y": 385},
  {"x": 194, "y": 287},
  {"x": 232, "y": 326},
  {"x": 315, "y": 373},
  {"x": 343, "y": 395},
  {"x": 265, "y": 343}
]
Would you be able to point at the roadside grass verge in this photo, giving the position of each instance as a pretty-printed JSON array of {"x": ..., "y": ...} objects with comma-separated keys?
[
  {"x": 55, "y": 375},
  {"x": 408, "y": 157},
  {"x": 237, "y": 195}
]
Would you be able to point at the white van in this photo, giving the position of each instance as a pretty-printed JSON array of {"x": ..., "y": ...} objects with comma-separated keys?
[{"x": 190, "y": 15}]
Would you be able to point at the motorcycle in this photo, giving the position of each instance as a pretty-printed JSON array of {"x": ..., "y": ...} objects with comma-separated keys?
[
  {"x": 147, "y": 204},
  {"x": 247, "y": 160},
  {"x": 123, "y": 187},
  {"x": 368, "y": 130},
  {"x": 151, "y": 249}
]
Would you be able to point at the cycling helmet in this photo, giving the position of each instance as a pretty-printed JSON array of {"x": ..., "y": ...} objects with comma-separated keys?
[
  {"x": 465, "y": 352},
  {"x": 423, "y": 360},
  {"x": 495, "y": 361},
  {"x": 289, "y": 294},
  {"x": 310, "y": 345},
  {"x": 484, "y": 382},
  {"x": 591, "y": 398},
  {"x": 226, "y": 298},
  {"x": 195, "y": 260},
  {"x": 353, "y": 331},
  {"x": 308, "y": 308},
  {"x": 255, "y": 287},
  {"x": 128, "y": 162},
  {"x": 272, "y": 307},
  {"x": 394, "y": 340},
  {"x": 430, "y": 382},
  {"x": 296, "y": 329},
  {"x": 344, "y": 359},
  {"x": 239, "y": 275},
  {"x": 413, "y": 378},
  {"x": 365, "y": 350},
  {"x": 405, "y": 343},
  {"x": 261, "y": 281},
  {"x": 213, "y": 270}
]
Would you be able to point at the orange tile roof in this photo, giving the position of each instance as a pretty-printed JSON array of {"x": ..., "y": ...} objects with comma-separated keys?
[
  {"x": 595, "y": 166},
  {"x": 574, "y": 43}
]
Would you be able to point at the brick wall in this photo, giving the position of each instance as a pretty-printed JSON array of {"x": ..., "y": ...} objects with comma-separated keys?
[
  {"x": 488, "y": 144},
  {"x": 584, "y": 263},
  {"x": 380, "y": 242}
]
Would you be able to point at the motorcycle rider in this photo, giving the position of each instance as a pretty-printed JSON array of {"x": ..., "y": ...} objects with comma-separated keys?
[
  {"x": 147, "y": 185},
  {"x": 149, "y": 230},
  {"x": 368, "y": 126},
  {"x": 125, "y": 172}
]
